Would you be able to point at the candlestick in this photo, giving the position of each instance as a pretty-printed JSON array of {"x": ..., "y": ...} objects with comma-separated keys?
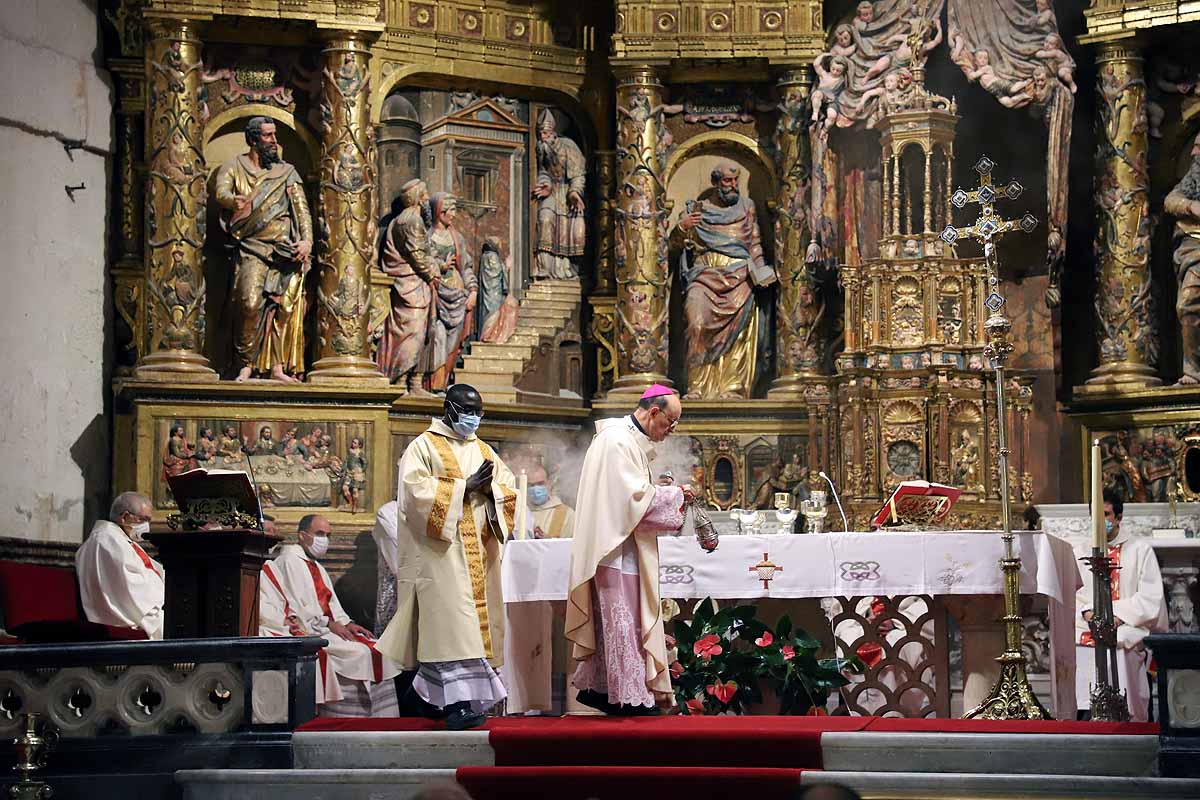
[
  {"x": 522, "y": 506},
  {"x": 1099, "y": 535}
]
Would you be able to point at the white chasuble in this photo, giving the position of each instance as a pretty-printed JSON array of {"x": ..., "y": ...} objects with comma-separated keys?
[
  {"x": 294, "y": 586},
  {"x": 449, "y": 605},
  {"x": 119, "y": 585},
  {"x": 555, "y": 518},
  {"x": 617, "y": 525}
]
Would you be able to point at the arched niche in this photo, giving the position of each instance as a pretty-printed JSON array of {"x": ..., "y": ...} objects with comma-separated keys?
[{"x": 224, "y": 138}]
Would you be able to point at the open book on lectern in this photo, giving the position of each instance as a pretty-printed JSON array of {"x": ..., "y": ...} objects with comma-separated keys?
[
  {"x": 919, "y": 503},
  {"x": 213, "y": 499}
]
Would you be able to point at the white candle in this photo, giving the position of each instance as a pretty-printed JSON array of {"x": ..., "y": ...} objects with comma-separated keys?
[
  {"x": 522, "y": 505},
  {"x": 1100, "y": 539}
]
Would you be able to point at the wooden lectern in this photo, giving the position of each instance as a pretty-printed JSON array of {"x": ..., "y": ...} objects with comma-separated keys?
[
  {"x": 212, "y": 580},
  {"x": 212, "y": 555}
]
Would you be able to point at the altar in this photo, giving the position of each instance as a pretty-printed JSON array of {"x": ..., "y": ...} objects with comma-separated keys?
[{"x": 958, "y": 571}]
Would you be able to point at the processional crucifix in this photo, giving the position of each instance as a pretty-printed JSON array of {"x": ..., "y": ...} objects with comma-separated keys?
[{"x": 1012, "y": 697}]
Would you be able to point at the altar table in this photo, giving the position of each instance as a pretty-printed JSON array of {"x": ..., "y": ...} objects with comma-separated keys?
[{"x": 939, "y": 564}]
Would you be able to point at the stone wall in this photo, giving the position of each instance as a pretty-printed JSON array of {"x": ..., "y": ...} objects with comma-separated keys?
[{"x": 54, "y": 454}]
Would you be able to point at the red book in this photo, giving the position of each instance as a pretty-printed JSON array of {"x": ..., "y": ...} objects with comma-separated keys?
[{"x": 930, "y": 502}]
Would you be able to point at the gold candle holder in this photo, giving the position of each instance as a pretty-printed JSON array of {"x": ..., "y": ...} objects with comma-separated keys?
[{"x": 32, "y": 746}]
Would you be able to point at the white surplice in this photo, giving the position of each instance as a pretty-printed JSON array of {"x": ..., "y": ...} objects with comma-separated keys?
[
  {"x": 118, "y": 583},
  {"x": 292, "y": 585},
  {"x": 1140, "y": 603}
]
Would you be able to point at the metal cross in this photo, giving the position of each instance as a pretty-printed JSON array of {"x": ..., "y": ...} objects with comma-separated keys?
[{"x": 989, "y": 225}]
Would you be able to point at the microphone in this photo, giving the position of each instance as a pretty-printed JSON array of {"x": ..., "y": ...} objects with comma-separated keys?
[{"x": 842, "y": 511}]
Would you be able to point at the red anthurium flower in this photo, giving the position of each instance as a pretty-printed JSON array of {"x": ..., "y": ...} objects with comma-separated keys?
[
  {"x": 788, "y": 651},
  {"x": 818, "y": 711},
  {"x": 723, "y": 691},
  {"x": 765, "y": 639},
  {"x": 676, "y": 670},
  {"x": 870, "y": 653},
  {"x": 695, "y": 706},
  {"x": 708, "y": 647}
]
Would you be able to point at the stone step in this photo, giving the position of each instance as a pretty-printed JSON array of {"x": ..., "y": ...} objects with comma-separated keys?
[
  {"x": 487, "y": 381},
  {"x": 506, "y": 350},
  {"x": 1013, "y": 753},
  {"x": 565, "y": 306},
  {"x": 307, "y": 784},
  {"x": 393, "y": 749},
  {"x": 537, "y": 327},
  {"x": 508, "y": 366},
  {"x": 930, "y": 785},
  {"x": 498, "y": 397},
  {"x": 548, "y": 315}
]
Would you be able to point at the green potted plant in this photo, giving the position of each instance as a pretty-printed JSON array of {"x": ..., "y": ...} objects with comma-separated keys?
[{"x": 724, "y": 656}]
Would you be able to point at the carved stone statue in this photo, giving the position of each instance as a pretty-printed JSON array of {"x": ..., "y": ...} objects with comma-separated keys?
[
  {"x": 721, "y": 263},
  {"x": 404, "y": 347},
  {"x": 456, "y": 289},
  {"x": 560, "y": 187},
  {"x": 1183, "y": 202},
  {"x": 497, "y": 309},
  {"x": 965, "y": 454},
  {"x": 265, "y": 213}
]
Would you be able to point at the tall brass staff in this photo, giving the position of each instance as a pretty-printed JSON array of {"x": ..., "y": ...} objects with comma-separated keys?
[{"x": 1012, "y": 697}]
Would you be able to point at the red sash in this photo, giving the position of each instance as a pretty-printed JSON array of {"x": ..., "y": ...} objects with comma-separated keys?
[
  {"x": 322, "y": 656},
  {"x": 1114, "y": 574},
  {"x": 145, "y": 558},
  {"x": 324, "y": 593}
]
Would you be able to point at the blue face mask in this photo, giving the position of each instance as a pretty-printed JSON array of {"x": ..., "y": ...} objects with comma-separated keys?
[
  {"x": 467, "y": 424},
  {"x": 1108, "y": 526},
  {"x": 538, "y": 495}
]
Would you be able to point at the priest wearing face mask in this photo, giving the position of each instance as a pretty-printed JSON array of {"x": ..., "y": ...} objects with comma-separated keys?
[
  {"x": 119, "y": 584},
  {"x": 552, "y": 518},
  {"x": 455, "y": 508},
  {"x": 1139, "y": 609},
  {"x": 296, "y": 598}
]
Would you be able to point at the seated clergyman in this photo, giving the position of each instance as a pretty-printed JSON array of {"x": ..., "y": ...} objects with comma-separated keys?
[
  {"x": 296, "y": 598},
  {"x": 119, "y": 584}
]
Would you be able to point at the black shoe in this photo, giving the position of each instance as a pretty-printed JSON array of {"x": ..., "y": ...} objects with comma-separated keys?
[
  {"x": 640, "y": 711},
  {"x": 462, "y": 718},
  {"x": 598, "y": 701}
]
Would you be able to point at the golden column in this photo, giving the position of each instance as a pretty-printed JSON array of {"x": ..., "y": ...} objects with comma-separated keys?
[
  {"x": 346, "y": 204},
  {"x": 175, "y": 207},
  {"x": 129, "y": 275},
  {"x": 640, "y": 232},
  {"x": 1126, "y": 333},
  {"x": 798, "y": 306}
]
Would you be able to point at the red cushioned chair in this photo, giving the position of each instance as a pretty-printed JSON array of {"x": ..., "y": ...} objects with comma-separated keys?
[{"x": 41, "y": 606}]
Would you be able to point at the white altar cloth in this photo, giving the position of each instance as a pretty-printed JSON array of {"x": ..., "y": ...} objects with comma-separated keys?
[{"x": 825, "y": 565}]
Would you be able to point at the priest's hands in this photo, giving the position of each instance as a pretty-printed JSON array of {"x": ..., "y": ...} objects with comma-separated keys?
[
  {"x": 481, "y": 479},
  {"x": 295, "y": 626},
  {"x": 350, "y": 631}
]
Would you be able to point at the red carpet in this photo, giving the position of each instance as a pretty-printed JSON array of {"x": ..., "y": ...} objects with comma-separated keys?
[
  {"x": 628, "y": 783},
  {"x": 674, "y": 741}
]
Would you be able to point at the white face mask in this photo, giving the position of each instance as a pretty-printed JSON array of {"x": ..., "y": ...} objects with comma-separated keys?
[
  {"x": 139, "y": 531},
  {"x": 319, "y": 546}
]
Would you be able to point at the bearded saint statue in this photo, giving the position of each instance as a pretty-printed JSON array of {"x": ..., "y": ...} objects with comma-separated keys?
[
  {"x": 265, "y": 214},
  {"x": 1183, "y": 202},
  {"x": 721, "y": 263}
]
